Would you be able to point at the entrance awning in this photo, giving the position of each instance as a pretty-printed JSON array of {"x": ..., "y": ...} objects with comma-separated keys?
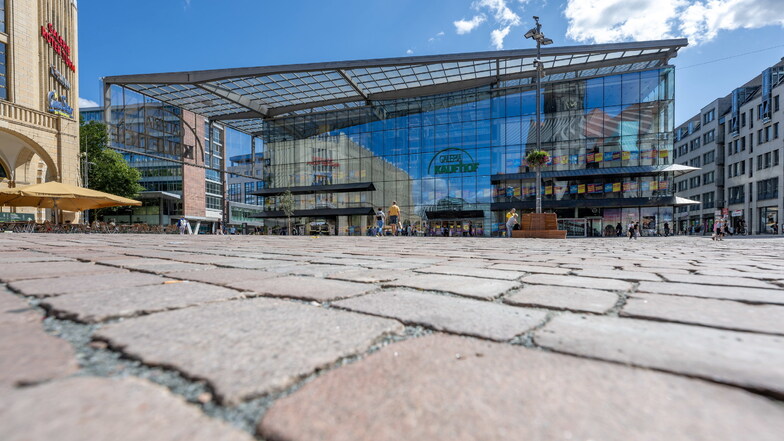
[
  {"x": 318, "y": 212},
  {"x": 683, "y": 201},
  {"x": 312, "y": 189}
]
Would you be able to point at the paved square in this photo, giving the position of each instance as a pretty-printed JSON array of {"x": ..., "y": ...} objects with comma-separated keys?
[{"x": 348, "y": 338}]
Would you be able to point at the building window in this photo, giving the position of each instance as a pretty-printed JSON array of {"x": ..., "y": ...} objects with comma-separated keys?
[
  {"x": 768, "y": 189},
  {"x": 743, "y": 144},
  {"x": 2, "y": 17},
  {"x": 767, "y": 160},
  {"x": 742, "y": 167},
  {"x": 709, "y": 157},
  {"x": 710, "y": 116},
  {"x": 3, "y": 68},
  {"x": 775, "y": 158},
  {"x": 775, "y": 130},
  {"x": 213, "y": 203},
  {"x": 735, "y": 195},
  {"x": 776, "y": 103},
  {"x": 694, "y": 182},
  {"x": 707, "y": 200},
  {"x": 708, "y": 178},
  {"x": 695, "y": 162},
  {"x": 708, "y": 137}
]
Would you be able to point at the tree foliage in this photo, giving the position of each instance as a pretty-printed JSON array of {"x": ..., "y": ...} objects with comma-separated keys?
[
  {"x": 286, "y": 202},
  {"x": 108, "y": 172}
]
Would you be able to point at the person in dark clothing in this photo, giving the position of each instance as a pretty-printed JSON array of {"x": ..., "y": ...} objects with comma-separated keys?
[
  {"x": 666, "y": 229},
  {"x": 618, "y": 230}
]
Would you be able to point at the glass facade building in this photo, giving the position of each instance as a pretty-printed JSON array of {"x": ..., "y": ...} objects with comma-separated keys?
[{"x": 449, "y": 146}]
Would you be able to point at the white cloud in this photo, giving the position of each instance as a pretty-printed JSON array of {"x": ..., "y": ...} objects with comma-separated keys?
[
  {"x": 702, "y": 21},
  {"x": 603, "y": 21},
  {"x": 498, "y": 35},
  {"x": 466, "y": 26},
  {"x": 440, "y": 34},
  {"x": 500, "y": 10},
  {"x": 409, "y": 52},
  {"x": 84, "y": 102}
]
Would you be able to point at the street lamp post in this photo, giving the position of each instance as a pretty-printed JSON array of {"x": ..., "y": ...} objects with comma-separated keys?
[{"x": 537, "y": 35}]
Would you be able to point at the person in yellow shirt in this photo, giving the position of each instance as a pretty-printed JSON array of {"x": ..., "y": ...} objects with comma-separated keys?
[{"x": 394, "y": 215}]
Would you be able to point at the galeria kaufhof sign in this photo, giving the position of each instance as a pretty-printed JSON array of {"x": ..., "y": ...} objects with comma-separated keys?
[{"x": 452, "y": 160}]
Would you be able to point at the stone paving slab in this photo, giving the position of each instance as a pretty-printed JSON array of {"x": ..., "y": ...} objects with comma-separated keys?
[
  {"x": 368, "y": 275},
  {"x": 158, "y": 266},
  {"x": 456, "y": 315},
  {"x": 28, "y": 355},
  {"x": 14, "y": 309},
  {"x": 752, "y": 295},
  {"x": 633, "y": 276},
  {"x": 248, "y": 348},
  {"x": 98, "y": 306},
  {"x": 42, "y": 270},
  {"x": 708, "y": 312},
  {"x": 223, "y": 276},
  {"x": 578, "y": 282},
  {"x": 743, "y": 359},
  {"x": 563, "y": 297},
  {"x": 83, "y": 283},
  {"x": 90, "y": 408},
  {"x": 718, "y": 280},
  {"x": 306, "y": 288},
  {"x": 450, "y": 388},
  {"x": 486, "y": 289},
  {"x": 530, "y": 268},
  {"x": 482, "y": 273}
]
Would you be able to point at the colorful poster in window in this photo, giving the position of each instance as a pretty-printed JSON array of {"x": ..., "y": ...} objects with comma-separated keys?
[
  {"x": 548, "y": 189},
  {"x": 598, "y": 157},
  {"x": 573, "y": 159},
  {"x": 573, "y": 189},
  {"x": 664, "y": 153},
  {"x": 646, "y": 185},
  {"x": 630, "y": 186},
  {"x": 648, "y": 154},
  {"x": 581, "y": 159},
  {"x": 616, "y": 187},
  {"x": 654, "y": 185},
  {"x": 580, "y": 188},
  {"x": 608, "y": 188},
  {"x": 664, "y": 185},
  {"x": 597, "y": 188},
  {"x": 608, "y": 156},
  {"x": 626, "y": 156},
  {"x": 589, "y": 158},
  {"x": 517, "y": 191},
  {"x": 616, "y": 156}
]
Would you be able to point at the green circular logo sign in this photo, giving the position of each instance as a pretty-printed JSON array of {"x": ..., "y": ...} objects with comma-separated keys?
[{"x": 452, "y": 160}]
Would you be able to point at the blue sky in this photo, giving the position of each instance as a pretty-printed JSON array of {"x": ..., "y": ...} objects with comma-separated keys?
[{"x": 731, "y": 40}]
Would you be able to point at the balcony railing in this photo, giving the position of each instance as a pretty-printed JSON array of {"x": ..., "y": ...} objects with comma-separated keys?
[{"x": 12, "y": 112}]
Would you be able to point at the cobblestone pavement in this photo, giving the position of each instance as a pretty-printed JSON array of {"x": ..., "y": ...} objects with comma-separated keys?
[{"x": 314, "y": 338}]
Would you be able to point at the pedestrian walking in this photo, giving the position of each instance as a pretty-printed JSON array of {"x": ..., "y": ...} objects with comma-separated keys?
[
  {"x": 630, "y": 229},
  {"x": 619, "y": 230},
  {"x": 380, "y": 218},
  {"x": 666, "y": 229},
  {"x": 511, "y": 221},
  {"x": 182, "y": 224},
  {"x": 716, "y": 230},
  {"x": 394, "y": 215}
]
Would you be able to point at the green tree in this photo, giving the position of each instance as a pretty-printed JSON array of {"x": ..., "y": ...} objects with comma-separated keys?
[
  {"x": 108, "y": 171},
  {"x": 287, "y": 205}
]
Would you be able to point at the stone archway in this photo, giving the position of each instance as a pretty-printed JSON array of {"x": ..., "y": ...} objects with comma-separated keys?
[{"x": 17, "y": 150}]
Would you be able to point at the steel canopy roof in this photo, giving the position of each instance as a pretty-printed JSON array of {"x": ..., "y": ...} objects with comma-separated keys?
[{"x": 246, "y": 97}]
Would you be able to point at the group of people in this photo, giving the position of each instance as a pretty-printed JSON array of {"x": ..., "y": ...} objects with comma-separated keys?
[{"x": 393, "y": 221}]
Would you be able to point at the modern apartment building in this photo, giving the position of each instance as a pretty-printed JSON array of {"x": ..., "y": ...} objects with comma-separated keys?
[
  {"x": 39, "y": 129},
  {"x": 736, "y": 140}
]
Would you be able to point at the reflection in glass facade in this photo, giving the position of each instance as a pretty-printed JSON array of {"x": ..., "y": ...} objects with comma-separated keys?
[{"x": 455, "y": 161}]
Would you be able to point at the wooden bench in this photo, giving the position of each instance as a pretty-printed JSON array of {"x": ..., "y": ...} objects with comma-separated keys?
[{"x": 539, "y": 226}]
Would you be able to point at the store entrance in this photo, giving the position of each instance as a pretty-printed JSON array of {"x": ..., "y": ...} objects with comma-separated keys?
[{"x": 457, "y": 228}]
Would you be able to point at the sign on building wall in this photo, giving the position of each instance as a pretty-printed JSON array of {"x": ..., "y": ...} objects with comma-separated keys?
[
  {"x": 61, "y": 48},
  {"x": 58, "y": 104},
  {"x": 452, "y": 160}
]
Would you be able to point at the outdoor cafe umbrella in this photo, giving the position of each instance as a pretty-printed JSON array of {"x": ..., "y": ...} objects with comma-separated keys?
[{"x": 61, "y": 196}]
